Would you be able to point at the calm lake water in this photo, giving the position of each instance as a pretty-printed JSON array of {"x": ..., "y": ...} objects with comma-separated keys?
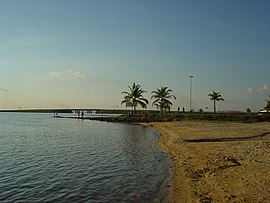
[{"x": 45, "y": 159}]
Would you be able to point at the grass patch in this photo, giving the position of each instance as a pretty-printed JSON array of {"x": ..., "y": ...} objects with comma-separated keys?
[{"x": 235, "y": 117}]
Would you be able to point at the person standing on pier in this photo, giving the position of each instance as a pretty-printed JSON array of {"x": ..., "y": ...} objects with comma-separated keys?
[{"x": 82, "y": 114}]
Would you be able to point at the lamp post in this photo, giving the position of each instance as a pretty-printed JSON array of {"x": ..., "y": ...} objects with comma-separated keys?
[{"x": 190, "y": 92}]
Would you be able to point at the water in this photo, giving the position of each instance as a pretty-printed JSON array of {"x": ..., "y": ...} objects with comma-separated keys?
[{"x": 44, "y": 159}]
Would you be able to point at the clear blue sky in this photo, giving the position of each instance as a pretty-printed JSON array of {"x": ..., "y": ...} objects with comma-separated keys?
[{"x": 84, "y": 53}]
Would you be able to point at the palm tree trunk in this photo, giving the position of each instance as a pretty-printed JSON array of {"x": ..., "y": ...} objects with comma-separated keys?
[
  {"x": 161, "y": 107},
  {"x": 214, "y": 106}
]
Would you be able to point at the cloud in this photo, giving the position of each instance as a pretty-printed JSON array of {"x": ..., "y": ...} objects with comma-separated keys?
[
  {"x": 3, "y": 90},
  {"x": 262, "y": 89},
  {"x": 250, "y": 91},
  {"x": 68, "y": 74}
]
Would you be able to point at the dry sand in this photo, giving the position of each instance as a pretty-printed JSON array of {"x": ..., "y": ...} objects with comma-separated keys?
[{"x": 225, "y": 167}]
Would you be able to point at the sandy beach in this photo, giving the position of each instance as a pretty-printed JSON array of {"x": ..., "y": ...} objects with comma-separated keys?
[{"x": 217, "y": 161}]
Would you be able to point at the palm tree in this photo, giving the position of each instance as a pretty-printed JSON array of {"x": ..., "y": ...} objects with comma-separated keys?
[
  {"x": 162, "y": 98},
  {"x": 134, "y": 97},
  {"x": 215, "y": 96}
]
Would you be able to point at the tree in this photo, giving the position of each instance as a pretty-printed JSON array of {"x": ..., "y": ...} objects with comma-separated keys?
[
  {"x": 267, "y": 108},
  {"x": 215, "y": 96},
  {"x": 248, "y": 110},
  {"x": 162, "y": 98},
  {"x": 134, "y": 97}
]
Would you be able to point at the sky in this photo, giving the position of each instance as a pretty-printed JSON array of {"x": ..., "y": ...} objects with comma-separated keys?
[{"x": 84, "y": 53}]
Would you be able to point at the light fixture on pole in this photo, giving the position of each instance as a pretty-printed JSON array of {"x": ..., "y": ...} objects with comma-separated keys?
[{"x": 190, "y": 92}]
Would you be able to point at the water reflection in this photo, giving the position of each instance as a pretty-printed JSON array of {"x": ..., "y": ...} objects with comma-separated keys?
[{"x": 63, "y": 160}]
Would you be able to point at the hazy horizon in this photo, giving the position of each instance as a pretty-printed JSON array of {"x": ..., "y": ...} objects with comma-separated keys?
[{"x": 83, "y": 54}]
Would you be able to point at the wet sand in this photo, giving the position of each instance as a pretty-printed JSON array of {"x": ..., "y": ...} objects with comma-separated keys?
[{"x": 217, "y": 161}]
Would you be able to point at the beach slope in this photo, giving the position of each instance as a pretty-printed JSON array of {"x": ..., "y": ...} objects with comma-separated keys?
[{"x": 217, "y": 161}]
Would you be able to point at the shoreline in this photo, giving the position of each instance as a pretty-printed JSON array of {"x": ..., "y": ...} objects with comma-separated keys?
[{"x": 216, "y": 171}]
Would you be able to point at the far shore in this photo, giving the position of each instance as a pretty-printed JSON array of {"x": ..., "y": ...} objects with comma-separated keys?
[{"x": 216, "y": 161}]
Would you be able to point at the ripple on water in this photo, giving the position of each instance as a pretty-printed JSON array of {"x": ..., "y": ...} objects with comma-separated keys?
[{"x": 56, "y": 160}]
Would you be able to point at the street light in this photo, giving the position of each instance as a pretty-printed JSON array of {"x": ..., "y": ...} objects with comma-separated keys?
[{"x": 190, "y": 92}]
